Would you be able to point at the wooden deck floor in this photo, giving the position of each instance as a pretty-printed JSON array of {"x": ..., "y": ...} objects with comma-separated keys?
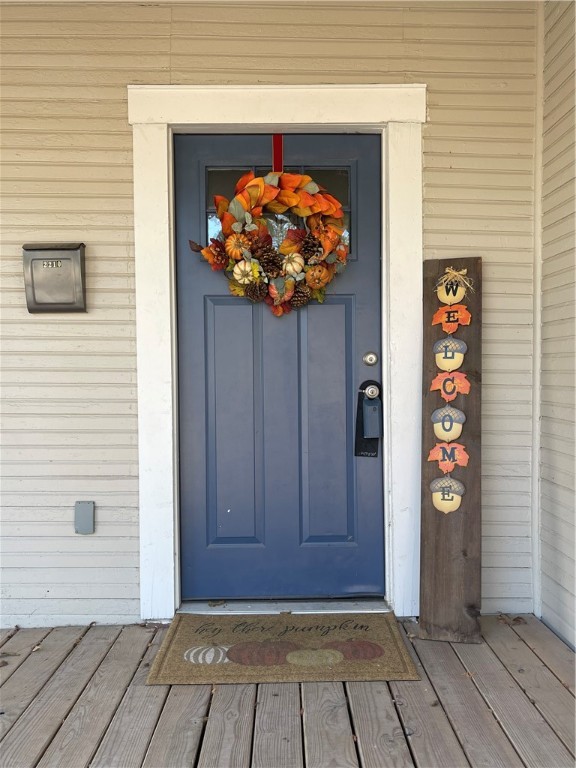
[{"x": 76, "y": 696}]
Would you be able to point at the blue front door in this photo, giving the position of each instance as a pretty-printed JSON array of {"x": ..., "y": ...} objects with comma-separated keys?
[{"x": 274, "y": 503}]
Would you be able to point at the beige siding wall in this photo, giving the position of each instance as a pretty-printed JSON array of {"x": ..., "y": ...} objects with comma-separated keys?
[
  {"x": 558, "y": 454},
  {"x": 70, "y": 412}
]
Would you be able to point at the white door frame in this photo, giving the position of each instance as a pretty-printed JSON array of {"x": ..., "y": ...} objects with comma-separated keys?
[{"x": 394, "y": 111}]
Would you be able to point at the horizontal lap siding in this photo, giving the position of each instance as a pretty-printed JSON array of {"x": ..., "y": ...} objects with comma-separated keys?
[
  {"x": 69, "y": 381},
  {"x": 558, "y": 454},
  {"x": 479, "y": 66},
  {"x": 71, "y": 408}
]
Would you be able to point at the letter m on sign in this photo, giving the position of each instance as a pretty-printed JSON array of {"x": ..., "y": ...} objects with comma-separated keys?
[{"x": 448, "y": 455}]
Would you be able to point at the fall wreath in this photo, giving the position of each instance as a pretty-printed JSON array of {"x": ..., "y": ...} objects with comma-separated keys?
[{"x": 264, "y": 254}]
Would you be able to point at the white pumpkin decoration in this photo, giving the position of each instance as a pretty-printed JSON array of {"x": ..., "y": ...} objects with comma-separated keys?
[
  {"x": 243, "y": 272},
  {"x": 207, "y": 654},
  {"x": 293, "y": 263}
]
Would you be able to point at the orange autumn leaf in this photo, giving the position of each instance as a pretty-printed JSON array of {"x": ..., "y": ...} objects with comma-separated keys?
[
  {"x": 336, "y": 225},
  {"x": 302, "y": 212},
  {"x": 289, "y": 181},
  {"x": 305, "y": 199},
  {"x": 314, "y": 222},
  {"x": 448, "y": 455},
  {"x": 335, "y": 206},
  {"x": 451, "y": 317},
  {"x": 243, "y": 198},
  {"x": 451, "y": 385},
  {"x": 221, "y": 204},
  {"x": 255, "y": 189},
  {"x": 211, "y": 257},
  {"x": 320, "y": 203},
  {"x": 292, "y": 242},
  {"x": 288, "y": 198},
  {"x": 243, "y": 181},
  {"x": 319, "y": 223},
  {"x": 276, "y": 207},
  {"x": 254, "y": 196},
  {"x": 270, "y": 193},
  {"x": 329, "y": 240},
  {"x": 227, "y": 220},
  {"x": 208, "y": 254}
]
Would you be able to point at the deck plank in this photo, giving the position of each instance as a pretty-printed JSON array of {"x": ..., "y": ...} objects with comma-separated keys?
[
  {"x": 381, "y": 741},
  {"x": 228, "y": 736},
  {"x": 482, "y": 739},
  {"x": 554, "y": 652},
  {"x": 6, "y": 634},
  {"x": 176, "y": 740},
  {"x": 126, "y": 741},
  {"x": 80, "y": 735},
  {"x": 278, "y": 727},
  {"x": 328, "y": 737},
  {"x": 432, "y": 741},
  {"x": 26, "y": 682},
  {"x": 532, "y": 737},
  {"x": 549, "y": 696},
  {"x": 17, "y": 649},
  {"x": 26, "y": 741}
]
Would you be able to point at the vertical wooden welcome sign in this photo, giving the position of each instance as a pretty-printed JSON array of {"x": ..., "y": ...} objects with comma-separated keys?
[{"x": 451, "y": 501}]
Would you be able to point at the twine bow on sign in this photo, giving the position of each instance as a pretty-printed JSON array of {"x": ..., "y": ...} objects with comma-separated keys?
[{"x": 457, "y": 276}]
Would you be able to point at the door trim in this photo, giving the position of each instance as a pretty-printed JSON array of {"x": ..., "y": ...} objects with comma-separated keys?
[{"x": 394, "y": 111}]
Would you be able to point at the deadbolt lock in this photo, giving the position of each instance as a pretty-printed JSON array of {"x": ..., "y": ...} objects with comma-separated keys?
[{"x": 370, "y": 358}]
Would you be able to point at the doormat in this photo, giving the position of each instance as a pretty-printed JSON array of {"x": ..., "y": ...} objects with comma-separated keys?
[{"x": 282, "y": 648}]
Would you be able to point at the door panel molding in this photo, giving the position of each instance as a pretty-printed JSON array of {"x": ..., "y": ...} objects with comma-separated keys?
[{"x": 396, "y": 112}]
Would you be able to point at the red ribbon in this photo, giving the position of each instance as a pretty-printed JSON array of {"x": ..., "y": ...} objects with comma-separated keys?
[{"x": 277, "y": 153}]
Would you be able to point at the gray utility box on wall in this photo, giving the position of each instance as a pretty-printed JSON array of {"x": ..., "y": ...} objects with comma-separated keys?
[
  {"x": 84, "y": 517},
  {"x": 54, "y": 277}
]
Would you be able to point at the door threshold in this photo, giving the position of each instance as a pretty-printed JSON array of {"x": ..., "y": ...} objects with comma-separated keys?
[{"x": 232, "y": 607}]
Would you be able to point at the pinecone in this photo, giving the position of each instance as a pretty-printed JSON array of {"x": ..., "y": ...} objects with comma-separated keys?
[
  {"x": 302, "y": 296},
  {"x": 256, "y": 291},
  {"x": 220, "y": 257},
  {"x": 269, "y": 259},
  {"x": 311, "y": 248}
]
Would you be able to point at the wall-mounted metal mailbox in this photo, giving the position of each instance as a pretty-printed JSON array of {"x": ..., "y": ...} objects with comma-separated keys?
[{"x": 54, "y": 277}]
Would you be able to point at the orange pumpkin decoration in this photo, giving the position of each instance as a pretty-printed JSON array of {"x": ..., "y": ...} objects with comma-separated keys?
[
  {"x": 235, "y": 246},
  {"x": 318, "y": 276},
  {"x": 261, "y": 654}
]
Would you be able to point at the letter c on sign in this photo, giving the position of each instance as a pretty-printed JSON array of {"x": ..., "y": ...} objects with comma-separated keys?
[{"x": 445, "y": 389}]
